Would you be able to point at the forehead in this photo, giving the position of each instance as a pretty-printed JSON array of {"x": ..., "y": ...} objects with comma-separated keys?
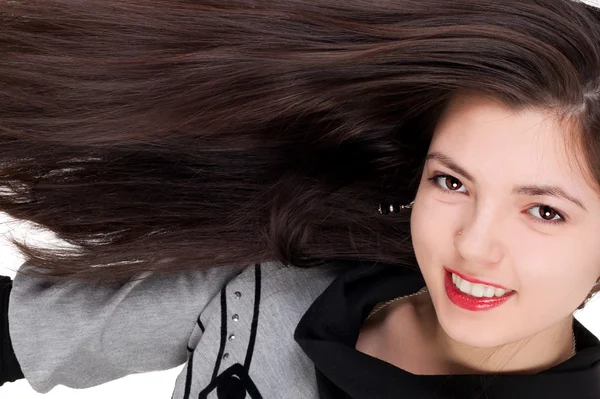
[{"x": 526, "y": 146}]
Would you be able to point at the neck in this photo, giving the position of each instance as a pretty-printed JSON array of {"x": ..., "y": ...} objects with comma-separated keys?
[{"x": 527, "y": 356}]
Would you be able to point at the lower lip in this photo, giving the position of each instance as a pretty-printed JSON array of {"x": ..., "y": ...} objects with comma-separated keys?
[{"x": 469, "y": 302}]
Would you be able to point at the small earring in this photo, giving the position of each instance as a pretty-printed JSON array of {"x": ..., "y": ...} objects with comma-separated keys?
[{"x": 386, "y": 209}]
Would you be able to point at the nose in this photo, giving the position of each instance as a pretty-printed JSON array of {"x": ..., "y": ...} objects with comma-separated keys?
[{"x": 480, "y": 239}]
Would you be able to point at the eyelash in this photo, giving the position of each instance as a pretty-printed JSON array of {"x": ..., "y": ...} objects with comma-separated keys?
[{"x": 433, "y": 180}]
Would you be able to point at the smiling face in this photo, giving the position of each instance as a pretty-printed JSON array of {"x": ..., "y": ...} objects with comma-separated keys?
[{"x": 527, "y": 217}]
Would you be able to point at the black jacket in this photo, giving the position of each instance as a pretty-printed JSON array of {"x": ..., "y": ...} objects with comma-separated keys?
[
  {"x": 9, "y": 366},
  {"x": 329, "y": 330}
]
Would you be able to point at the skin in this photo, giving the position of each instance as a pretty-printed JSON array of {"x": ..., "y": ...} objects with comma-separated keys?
[{"x": 542, "y": 246}]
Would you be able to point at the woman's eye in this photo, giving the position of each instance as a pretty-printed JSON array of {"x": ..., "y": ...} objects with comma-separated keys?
[
  {"x": 449, "y": 183},
  {"x": 545, "y": 213}
]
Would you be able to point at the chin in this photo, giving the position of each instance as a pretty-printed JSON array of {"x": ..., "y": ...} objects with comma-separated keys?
[
  {"x": 482, "y": 329},
  {"x": 473, "y": 337}
]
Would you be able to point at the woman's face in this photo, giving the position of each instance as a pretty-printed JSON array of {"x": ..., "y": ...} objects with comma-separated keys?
[{"x": 528, "y": 221}]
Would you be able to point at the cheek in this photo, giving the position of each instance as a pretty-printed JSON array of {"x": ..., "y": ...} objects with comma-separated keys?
[
  {"x": 539, "y": 271},
  {"x": 559, "y": 271},
  {"x": 431, "y": 230}
]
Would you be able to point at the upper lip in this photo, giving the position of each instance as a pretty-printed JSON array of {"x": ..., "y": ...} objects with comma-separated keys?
[{"x": 477, "y": 281}]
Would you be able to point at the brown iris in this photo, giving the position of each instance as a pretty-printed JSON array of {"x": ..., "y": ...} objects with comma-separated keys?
[
  {"x": 547, "y": 213},
  {"x": 453, "y": 183}
]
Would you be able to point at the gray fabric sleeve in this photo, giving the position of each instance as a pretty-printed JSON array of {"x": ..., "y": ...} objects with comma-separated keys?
[{"x": 80, "y": 336}]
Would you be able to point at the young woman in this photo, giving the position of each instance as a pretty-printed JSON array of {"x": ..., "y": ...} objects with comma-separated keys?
[
  {"x": 197, "y": 137},
  {"x": 504, "y": 228}
]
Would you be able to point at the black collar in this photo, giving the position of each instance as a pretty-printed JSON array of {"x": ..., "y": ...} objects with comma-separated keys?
[{"x": 329, "y": 330}]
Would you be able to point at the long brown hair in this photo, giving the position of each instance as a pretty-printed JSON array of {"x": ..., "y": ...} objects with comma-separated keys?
[{"x": 172, "y": 135}]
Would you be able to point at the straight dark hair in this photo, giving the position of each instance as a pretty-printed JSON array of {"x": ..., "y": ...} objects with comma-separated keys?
[{"x": 180, "y": 134}]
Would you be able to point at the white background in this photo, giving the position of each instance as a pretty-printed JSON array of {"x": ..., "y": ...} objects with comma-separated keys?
[
  {"x": 156, "y": 385},
  {"x": 595, "y": 3}
]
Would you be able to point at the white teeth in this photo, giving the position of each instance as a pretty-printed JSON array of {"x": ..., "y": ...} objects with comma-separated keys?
[
  {"x": 477, "y": 290},
  {"x": 489, "y": 292},
  {"x": 465, "y": 286}
]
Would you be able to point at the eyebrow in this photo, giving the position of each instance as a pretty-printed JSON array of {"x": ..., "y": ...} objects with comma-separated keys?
[
  {"x": 551, "y": 191},
  {"x": 449, "y": 163},
  {"x": 532, "y": 190}
]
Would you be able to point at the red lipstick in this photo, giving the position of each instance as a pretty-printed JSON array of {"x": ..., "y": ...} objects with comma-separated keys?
[{"x": 469, "y": 302}]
